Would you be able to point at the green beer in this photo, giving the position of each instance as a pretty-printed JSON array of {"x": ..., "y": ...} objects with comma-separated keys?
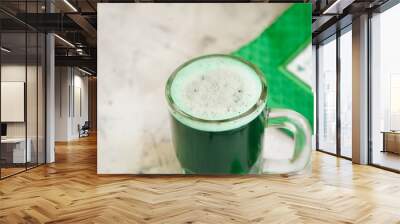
[{"x": 218, "y": 108}]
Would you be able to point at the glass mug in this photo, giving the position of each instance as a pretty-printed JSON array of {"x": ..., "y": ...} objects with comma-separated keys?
[{"x": 233, "y": 145}]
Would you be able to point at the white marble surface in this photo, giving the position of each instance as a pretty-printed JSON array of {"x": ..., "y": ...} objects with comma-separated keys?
[{"x": 139, "y": 45}]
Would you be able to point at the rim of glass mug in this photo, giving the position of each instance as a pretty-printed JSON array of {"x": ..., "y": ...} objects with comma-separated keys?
[{"x": 223, "y": 124}]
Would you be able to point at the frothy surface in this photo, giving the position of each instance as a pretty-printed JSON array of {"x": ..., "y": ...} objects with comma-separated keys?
[{"x": 216, "y": 88}]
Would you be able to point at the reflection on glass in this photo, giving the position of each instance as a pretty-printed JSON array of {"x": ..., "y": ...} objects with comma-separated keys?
[
  {"x": 14, "y": 153},
  {"x": 346, "y": 94},
  {"x": 41, "y": 98},
  {"x": 32, "y": 85},
  {"x": 327, "y": 97},
  {"x": 22, "y": 91},
  {"x": 31, "y": 101},
  {"x": 386, "y": 89}
]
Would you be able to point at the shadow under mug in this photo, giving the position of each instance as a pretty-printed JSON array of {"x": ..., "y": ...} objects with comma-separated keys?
[{"x": 237, "y": 150}]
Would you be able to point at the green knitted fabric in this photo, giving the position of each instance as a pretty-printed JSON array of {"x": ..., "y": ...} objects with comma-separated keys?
[{"x": 274, "y": 49}]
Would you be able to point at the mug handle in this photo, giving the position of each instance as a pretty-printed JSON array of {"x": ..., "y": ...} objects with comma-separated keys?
[{"x": 300, "y": 131}]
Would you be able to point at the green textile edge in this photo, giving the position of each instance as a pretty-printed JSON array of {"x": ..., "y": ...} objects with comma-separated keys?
[{"x": 274, "y": 49}]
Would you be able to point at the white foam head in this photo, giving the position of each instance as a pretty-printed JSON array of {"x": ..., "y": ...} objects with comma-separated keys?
[{"x": 215, "y": 88}]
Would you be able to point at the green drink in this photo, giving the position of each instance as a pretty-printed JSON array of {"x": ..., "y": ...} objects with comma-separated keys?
[{"x": 219, "y": 114}]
